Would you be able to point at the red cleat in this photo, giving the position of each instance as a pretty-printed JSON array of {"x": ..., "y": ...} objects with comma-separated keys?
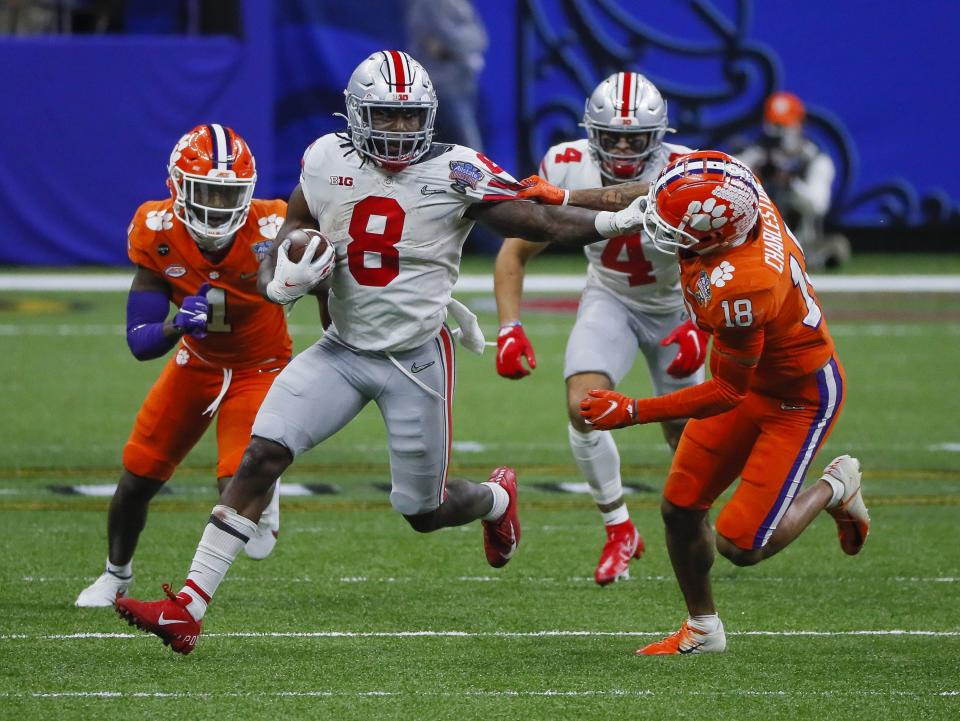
[
  {"x": 501, "y": 537},
  {"x": 169, "y": 619},
  {"x": 623, "y": 544}
]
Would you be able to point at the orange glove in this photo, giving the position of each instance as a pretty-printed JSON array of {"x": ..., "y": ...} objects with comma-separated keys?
[
  {"x": 536, "y": 188},
  {"x": 692, "y": 351},
  {"x": 606, "y": 410},
  {"x": 512, "y": 345}
]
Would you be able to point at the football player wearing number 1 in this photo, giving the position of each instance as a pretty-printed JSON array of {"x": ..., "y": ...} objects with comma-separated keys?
[
  {"x": 776, "y": 390},
  {"x": 396, "y": 209},
  {"x": 198, "y": 249},
  {"x": 632, "y": 301}
]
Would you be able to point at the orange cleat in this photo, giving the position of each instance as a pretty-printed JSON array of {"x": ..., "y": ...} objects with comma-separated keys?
[
  {"x": 850, "y": 513},
  {"x": 689, "y": 639}
]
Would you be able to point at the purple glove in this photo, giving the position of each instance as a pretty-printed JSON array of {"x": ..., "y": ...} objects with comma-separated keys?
[{"x": 191, "y": 319}]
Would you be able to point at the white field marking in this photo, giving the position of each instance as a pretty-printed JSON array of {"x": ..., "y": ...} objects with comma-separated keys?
[
  {"x": 952, "y": 447},
  {"x": 515, "y": 579},
  {"x": 483, "y": 283},
  {"x": 469, "y": 446},
  {"x": 482, "y": 634},
  {"x": 497, "y": 693}
]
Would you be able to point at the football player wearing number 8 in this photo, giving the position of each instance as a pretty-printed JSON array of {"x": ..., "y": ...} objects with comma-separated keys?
[
  {"x": 396, "y": 208},
  {"x": 199, "y": 249},
  {"x": 631, "y": 303},
  {"x": 776, "y": 390}
]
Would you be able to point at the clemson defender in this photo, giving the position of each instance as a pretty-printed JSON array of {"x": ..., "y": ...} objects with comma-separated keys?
[
  {"x": 200, "y": 250},
  {"x": 631, "y": 303},
  {"x": 776, "y": 391}
]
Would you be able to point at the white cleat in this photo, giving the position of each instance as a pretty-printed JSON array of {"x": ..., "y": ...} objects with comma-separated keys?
[
  {"x": 103, "y": 592},
  {"x": 850, "y": 512},
  {"x": 261, "y": 544}
]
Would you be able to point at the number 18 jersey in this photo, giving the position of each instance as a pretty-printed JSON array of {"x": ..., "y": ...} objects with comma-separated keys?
[
  {"x": 646, "y": 280},
  {"x": 398, "y": 236}
]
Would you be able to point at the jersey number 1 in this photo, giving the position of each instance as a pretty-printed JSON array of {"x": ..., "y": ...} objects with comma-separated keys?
[{"x": 375, "y": 239}]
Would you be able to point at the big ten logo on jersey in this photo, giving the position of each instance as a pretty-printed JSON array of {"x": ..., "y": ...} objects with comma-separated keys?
[{"x": 345, "y": 180}]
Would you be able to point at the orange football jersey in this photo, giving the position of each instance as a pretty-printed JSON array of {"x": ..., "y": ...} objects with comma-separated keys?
[
  {"x": 761, "y": 285},
  {"x": 243, "y": 329}
]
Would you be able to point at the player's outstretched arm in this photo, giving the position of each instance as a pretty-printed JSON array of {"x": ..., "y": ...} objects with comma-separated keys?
[
  {"x": 298, "y": 216},
  {"x": 613, "y": 198}
]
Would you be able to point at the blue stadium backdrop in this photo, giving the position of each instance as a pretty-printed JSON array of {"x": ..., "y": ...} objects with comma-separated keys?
[{"x": 88, "y": 122}]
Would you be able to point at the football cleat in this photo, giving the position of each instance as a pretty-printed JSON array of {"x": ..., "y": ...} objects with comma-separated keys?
[
  {"x": 501, "y": 537},
  {"x": 850, "y": 513},
  {"x": 104, "y": 591},
  {"x": 623, "y": 544},
  {"x": 689, "y": 639},
  {"x": 262, "y": 542},
  {"x": 169, "y": 619}
]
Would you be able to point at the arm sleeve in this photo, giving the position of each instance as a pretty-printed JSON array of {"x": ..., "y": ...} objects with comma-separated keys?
[
  {"x": 146, "y": 313},
  {"x": 723, "y": 392}
]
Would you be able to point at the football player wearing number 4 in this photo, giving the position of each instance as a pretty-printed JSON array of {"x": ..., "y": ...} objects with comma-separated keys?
[
  {"x": 396, "y": 208},
  {"x": 199, "y": 249},
  {"x": 776, "y": 390},
  {"x": 632, "y": 299}
]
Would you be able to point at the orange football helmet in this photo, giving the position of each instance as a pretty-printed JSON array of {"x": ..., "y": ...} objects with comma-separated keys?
[
  {"x": 784, "y": 109},
  {"x": 701, "y": 201},
  {"x": 212, "y": 177}
]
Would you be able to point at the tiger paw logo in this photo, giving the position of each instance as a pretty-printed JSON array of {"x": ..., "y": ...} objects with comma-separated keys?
[
  {"x": 183, "y": 357},
  {"x": 159, "y": 220},
  {"x": 707, "y": 215},
  {"x": 722, "y": 273},
  {"x": 270, "y": 226}
]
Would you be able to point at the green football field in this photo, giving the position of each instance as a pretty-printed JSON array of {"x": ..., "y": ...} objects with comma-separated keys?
[{"x": 355, "y": 616}]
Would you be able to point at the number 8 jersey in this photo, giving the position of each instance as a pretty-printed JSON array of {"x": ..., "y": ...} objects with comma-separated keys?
[
  {"x": 646, "y": 280},
  {"x": 398, "y": 236}
]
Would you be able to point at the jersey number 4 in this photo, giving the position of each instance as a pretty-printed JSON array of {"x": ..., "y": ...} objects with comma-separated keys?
[
  {"x": 625, "y": 255},
  {"x": 375, "y": 227}
]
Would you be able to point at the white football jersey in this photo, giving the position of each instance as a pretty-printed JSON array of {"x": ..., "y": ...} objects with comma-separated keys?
[
  {"x": 645, "y": 279},
  {"x": 398, "y": 236}
]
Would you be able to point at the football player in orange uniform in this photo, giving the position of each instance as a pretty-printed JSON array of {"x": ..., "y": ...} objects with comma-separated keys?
[
  {"x": 200, "y": 250},
  {"x": 776, "y": 390}
]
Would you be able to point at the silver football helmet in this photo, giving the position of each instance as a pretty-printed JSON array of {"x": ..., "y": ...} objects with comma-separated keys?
[
  {"x": 625, "y": 104},
  {"x": 390, "y": 79}
]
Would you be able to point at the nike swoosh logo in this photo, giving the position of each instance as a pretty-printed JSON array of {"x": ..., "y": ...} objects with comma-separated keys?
[
  {"x": 513, "y": 545},
  {"x": 691, "y": 649},
  {"x": 505, "y": 346},
  {"x": 696, "y": 340},
  {"x": 287, "y": 284},
  {"x": 417, "y": 368},
  {"x": 245, "y": 276},
  {"x": 611, "y": 409},
  {"x": 167, "y": 621},
  {"x": 431, "y": 191}
]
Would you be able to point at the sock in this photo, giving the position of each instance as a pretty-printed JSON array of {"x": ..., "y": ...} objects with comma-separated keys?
[
  {"x": 708, "y": 623},
  {"x": 599, "y": 461},
  {"x": 838, "y": 489},
  {"x": 501, "y": 499},
  {"x": 226, "y": 534},
  {"x": 124, "y": 572},
  {"x": 617, "y": 516}
]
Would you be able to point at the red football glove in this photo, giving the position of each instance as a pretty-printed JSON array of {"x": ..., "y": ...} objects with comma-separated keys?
[
  {"x": 693, "y": 349},
  {"x": 605, "y": 410},
  {"x": 536, "y": 188},
  {"x": 512, "y": 345}
]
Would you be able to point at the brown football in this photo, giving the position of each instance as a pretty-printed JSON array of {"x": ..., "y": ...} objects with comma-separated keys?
[{"x": 300, "y": 239}]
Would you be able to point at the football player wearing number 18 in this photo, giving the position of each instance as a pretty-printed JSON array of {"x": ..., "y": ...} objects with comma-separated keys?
[
  {"x": 776, "y": 390},
  {"x": 631, "y": 303},
  {"x": 199, "y": 249},
  {"x": 395, "y": 208}
]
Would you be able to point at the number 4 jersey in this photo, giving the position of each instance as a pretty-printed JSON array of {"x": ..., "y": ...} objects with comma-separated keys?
[
  {"x": 243, "y": 329},
  {"x": 761, "y": 286},
  {"x": 398, "y": 236},
  {"x": 646, "y": 280}
]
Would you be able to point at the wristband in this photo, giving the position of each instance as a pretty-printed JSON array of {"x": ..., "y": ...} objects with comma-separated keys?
[{"x": 566, "y": 197}]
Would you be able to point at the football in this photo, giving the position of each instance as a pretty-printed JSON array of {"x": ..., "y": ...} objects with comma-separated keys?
[{"x": 300, "y": 239}]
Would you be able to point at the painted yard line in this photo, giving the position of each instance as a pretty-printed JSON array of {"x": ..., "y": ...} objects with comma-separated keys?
[
  {"x": 497, "y": 693},
  {"x": 483, "y": 283},
  {"x": 479, "y": 634}
]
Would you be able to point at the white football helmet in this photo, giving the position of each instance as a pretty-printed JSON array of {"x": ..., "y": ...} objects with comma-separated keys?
[
  {"x": 390, "y": 79},
  {"x": 624, "y": 103}
]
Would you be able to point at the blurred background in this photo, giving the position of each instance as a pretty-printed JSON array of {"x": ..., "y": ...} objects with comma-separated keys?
[{"x": 98, "y": 92}]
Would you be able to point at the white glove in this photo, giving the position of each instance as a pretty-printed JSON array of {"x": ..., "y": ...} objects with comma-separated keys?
[
  {"x": 468, "y": 334},
  {"x": 293, "y": 280},
  {"x": 628, "y": 220}
]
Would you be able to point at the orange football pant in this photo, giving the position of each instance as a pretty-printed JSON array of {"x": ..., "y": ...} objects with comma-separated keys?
[
  {"x": 769, "y": 442},
  {"x": 172, "y": 419}
]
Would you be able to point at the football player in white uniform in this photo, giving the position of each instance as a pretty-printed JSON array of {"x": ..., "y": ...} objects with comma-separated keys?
[
  {"x": 632, "y": 300},
  {"x": 393, "y": 209}
]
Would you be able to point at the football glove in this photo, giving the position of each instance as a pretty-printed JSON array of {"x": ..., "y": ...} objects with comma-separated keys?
[
  {"x": 692, "y": 350},
  {"x": 292, "y": 280},
  {"x": 606, "y": 410},
  {"x": 191, "y": 318},
  {"x": 512, "y": 345},
  {"x": 536, "y": 188},
  {"x": 628, "y": 220}
]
